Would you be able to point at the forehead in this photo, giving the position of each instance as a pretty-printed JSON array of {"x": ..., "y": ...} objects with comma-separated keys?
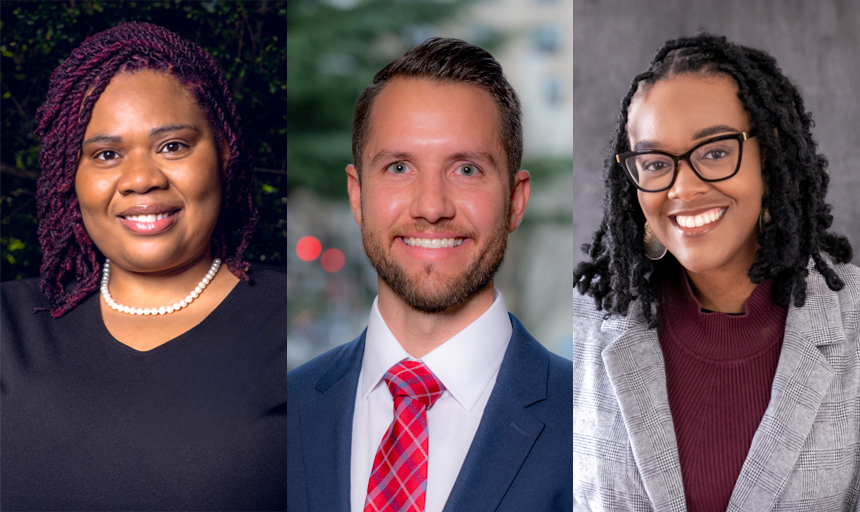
[
  {"x": 419, "y": 115},
  {"x": 144, "y": 98},
  {"x": 675, "y": 108}
]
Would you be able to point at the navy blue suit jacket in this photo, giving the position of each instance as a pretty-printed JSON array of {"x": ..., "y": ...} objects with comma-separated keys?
[{"x": 521, "y": 458}]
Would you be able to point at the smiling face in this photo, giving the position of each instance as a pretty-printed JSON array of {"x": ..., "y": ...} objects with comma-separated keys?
[
  {"x": 149, "y": 176},
  {"x": 706, "y": 226},
  {"x": 433, "y": 199}
]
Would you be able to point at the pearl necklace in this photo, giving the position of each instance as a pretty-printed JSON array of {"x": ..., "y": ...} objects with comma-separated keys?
[{"x": 164, "y": 309}]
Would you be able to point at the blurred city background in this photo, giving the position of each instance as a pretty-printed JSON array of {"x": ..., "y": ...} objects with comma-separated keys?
[{"x": 334, "y": 48}]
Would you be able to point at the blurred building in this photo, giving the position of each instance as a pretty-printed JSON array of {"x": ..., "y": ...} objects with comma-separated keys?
[
  {"x": 537, "y": 55},
  {"x": 532, "y": 41}
]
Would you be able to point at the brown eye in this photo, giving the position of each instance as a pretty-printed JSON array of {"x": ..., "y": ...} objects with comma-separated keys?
[
  {"x": 106, "y": 155},
  {"x": 173, "y": 147}
]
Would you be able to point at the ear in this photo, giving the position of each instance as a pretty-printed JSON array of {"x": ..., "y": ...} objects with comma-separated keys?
[
  {"x": 353, "y": 186},
  {"x": 520, "y": 193}
]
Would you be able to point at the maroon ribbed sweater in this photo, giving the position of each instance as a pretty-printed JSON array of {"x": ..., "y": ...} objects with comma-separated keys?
[{"x": 719, "y": 373}]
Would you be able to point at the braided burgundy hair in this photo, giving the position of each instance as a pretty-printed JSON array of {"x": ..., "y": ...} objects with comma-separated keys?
[{"x": 75, "y": 86}]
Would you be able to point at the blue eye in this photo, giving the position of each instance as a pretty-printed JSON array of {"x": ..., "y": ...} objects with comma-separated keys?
[
  {"x": 467, "y": 170},
  {"x": 398, "y": 168}
]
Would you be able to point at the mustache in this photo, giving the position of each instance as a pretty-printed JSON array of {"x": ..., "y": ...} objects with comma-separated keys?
[{"x": 433, "y": 228}]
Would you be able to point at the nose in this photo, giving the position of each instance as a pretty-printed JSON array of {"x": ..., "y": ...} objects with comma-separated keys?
[
  {"x": 431, "y": 198},
  {"x": 687, "y": 184},
  {"x": 141, "y": 174}
]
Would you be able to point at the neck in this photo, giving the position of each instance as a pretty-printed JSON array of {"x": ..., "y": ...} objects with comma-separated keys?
[
  {"x": 419, "y": 333},
  {"x": 726, "y": 288},
  {"x": 725, "y": 291},
  {"x": 148, "y": 289}
]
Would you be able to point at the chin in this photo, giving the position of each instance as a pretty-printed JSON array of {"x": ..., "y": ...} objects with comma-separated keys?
[{"x": 700, "y": 264}]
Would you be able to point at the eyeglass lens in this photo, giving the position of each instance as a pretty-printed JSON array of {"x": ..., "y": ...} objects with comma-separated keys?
[{"x": 713, "y": 161}]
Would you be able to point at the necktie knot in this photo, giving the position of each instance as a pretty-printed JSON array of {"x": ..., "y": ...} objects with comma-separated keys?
[{"x": 414, "y": 380}]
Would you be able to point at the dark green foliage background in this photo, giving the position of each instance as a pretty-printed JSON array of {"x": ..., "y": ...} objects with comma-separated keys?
[
  {"x": 248, "y": 39},
  {"x": 333, "y": 53}
]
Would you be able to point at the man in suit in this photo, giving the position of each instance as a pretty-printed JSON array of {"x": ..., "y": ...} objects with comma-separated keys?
[{"x": 445, "y": 402}]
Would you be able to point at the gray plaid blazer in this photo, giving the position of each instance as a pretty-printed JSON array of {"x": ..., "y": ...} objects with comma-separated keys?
[{"x": 805, "y": 455}]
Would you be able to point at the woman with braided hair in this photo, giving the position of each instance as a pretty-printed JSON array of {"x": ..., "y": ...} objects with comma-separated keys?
[
  {"x": 145, "y": 370},
  {"x": 716, "y": 319}
]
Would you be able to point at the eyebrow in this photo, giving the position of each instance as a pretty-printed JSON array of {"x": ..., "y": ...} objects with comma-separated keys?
[
  {"x": 645, "y": 145},
  {"x": 113, "y": 139},
  {"x": 475, "y": 155},
  {"x": 390, "y": 155},
  {"x": 172, "y": 128},
  {"x": 463, "y": 155}
]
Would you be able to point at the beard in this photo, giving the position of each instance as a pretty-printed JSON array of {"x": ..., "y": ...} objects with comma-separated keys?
[{"x": 429, "y": 293}]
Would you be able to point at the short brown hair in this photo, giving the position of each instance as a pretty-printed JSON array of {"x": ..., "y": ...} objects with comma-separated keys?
[{"x": 448, "y": 60}]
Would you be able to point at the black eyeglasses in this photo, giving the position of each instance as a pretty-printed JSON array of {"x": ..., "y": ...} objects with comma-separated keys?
[{"x": 712, "y": 160}]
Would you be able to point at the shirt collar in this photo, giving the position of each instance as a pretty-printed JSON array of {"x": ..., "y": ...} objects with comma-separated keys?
[{"x": 465, "y": 363}]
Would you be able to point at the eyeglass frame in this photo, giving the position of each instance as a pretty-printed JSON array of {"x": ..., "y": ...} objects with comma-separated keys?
[{"x": 740, "y": 137}]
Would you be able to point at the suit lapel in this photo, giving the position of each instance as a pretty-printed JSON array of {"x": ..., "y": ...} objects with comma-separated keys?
[
  {"x": 507, "y": 430},
  {"x": 635, "y": 367},
  {"x": 803, "y": 376},
  {"x": 326, "y": 427}
]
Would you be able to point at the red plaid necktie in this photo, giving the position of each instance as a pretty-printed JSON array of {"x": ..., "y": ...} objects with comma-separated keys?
[{"x": 398, "y": 482}]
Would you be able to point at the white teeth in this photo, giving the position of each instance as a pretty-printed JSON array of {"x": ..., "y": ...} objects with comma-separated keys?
[
  {"x": 147, "y": 218},
  {"x": 695, "y": 221},
  {"x": 433, "y": 243}
]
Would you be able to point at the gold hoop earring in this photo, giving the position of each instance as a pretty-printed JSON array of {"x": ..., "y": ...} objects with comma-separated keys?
[
  {"x": 763, "y": 218},
  {"x": 654, "y": 248}
]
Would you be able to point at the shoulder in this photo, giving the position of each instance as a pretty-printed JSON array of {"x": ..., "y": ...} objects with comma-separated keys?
[
  {"x": 268, "y": 280},
  {"x": 595, "y": 328},
  {"x": 261, "y": 300},
  {"x": 849, "y": 295},
  {"x": 849, "y": 299},
  {"x": 324, "y": 369},
  {"x": 529, "y": 366},
  {"x": 20, "y": 297},
  {"x": 819, "y": 297},
  {"x": 22, "y": 290}
]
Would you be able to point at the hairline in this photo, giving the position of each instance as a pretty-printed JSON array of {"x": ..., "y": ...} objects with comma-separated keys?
[{"x": 438, "y": 81}]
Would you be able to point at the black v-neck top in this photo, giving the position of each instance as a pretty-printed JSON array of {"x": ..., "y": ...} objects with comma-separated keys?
[{"x": 198, "y": 423}]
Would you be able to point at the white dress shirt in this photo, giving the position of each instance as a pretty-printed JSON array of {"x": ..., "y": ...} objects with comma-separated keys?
[{"x": 467, "y": 364}]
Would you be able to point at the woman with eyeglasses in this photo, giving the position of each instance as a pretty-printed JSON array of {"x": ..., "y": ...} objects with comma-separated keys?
[{"x": 716, "y": 319}]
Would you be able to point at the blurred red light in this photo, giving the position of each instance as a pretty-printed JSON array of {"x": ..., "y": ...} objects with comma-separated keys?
[
  {"x": 332, "y": 260},
  {"x": 308, "y": 248}
]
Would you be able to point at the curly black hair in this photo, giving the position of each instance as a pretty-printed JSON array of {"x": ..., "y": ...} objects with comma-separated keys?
[{"x": 619, "y": 273}]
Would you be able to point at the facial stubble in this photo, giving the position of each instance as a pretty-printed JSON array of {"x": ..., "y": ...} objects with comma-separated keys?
[{"x": 477, "y": 276}]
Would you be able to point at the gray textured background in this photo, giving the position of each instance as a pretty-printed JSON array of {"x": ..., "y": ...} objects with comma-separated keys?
[{"x": 816, "y": 43}]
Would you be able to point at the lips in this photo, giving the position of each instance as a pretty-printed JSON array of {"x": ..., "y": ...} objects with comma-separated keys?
[
  {"x": 700, "y": 219},
  {"x": 697, "y": 222},
  {"x": 149, "y": 219}
]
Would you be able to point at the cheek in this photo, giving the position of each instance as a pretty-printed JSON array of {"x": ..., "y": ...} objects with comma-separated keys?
[
  {"x": 651, "y": 203},
  {"x": 94, "y": 193},
  {"x": 383, "y": 206},
  {"x": 202, "y": 187},
  {"x": 484, "y": 208}
]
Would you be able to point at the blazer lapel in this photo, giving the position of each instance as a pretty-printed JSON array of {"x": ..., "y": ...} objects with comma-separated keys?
[
  {"x": 635, "y": 367},
  {"x": 803, "y": 376},
  {"x": 326, "y": 429},
  {"x": 507, "y": 430}
]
